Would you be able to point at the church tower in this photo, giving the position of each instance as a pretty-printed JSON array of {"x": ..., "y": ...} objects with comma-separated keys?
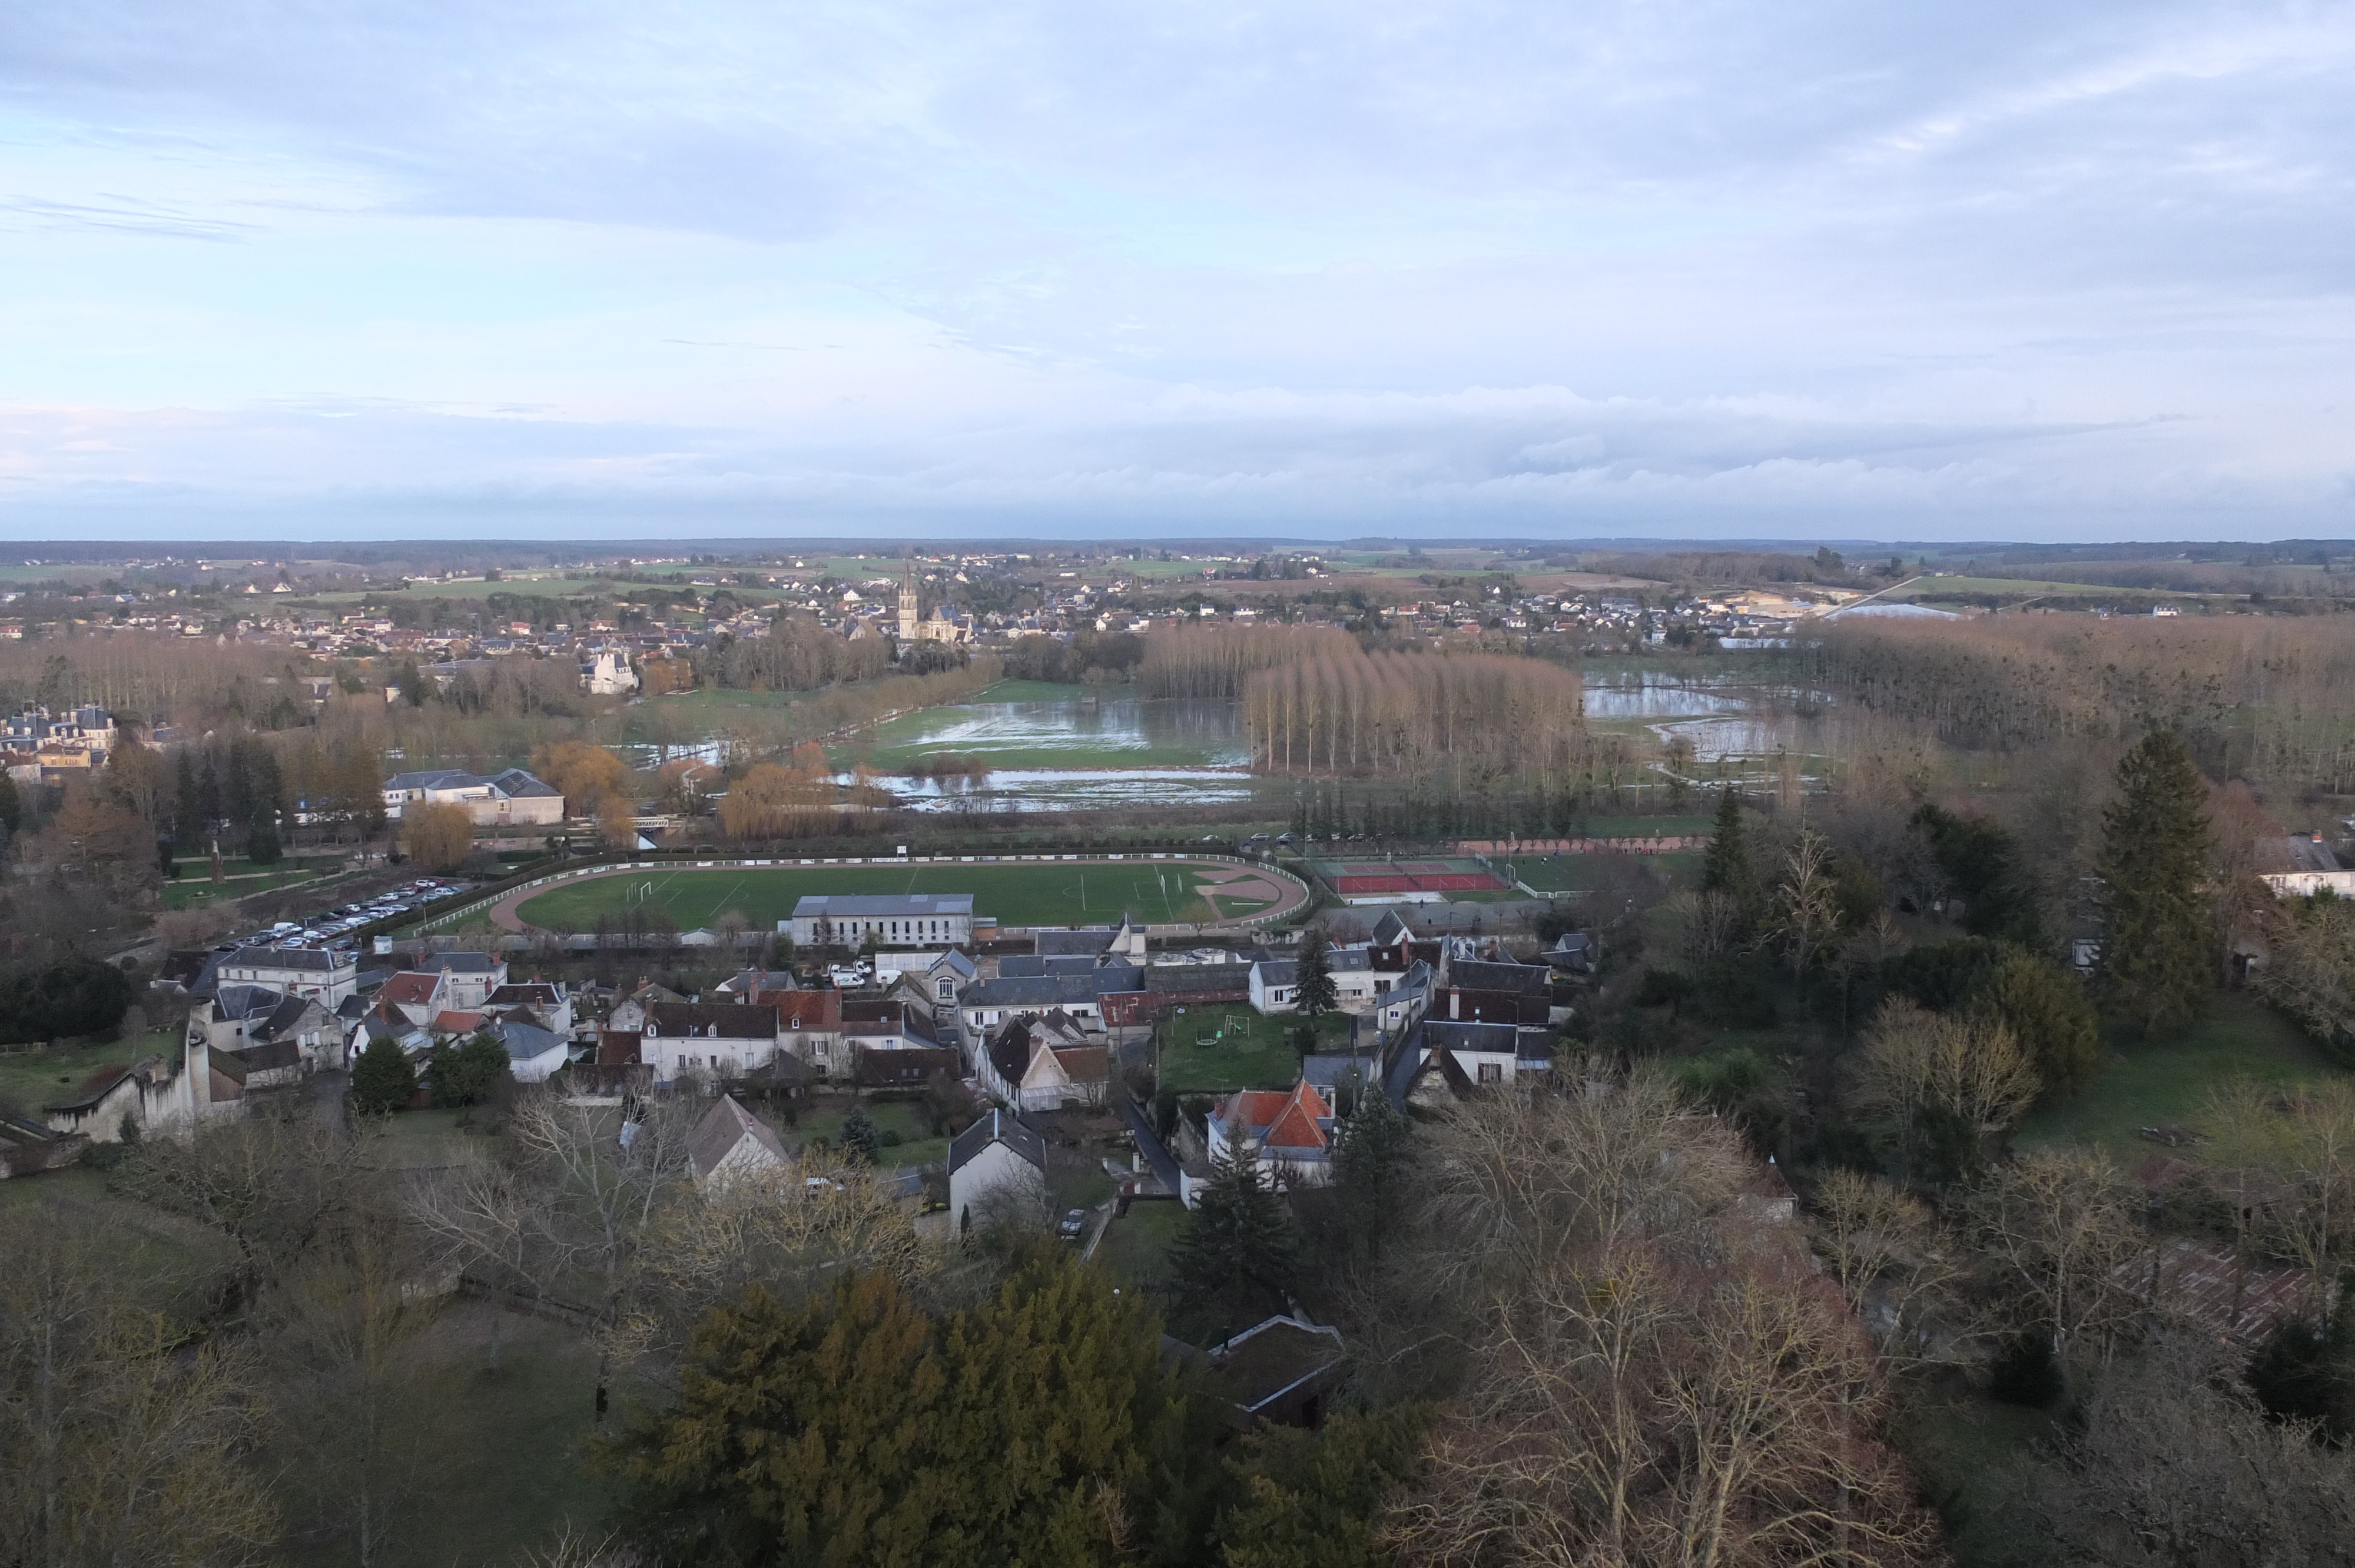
[{"x": 909, "y": 616}]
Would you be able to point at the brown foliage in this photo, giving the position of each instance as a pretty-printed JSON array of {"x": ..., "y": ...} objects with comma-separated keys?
[{"x": 440, "y": 836}]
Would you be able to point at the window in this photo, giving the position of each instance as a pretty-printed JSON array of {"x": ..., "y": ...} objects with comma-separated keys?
[
  {"x": 1492, "y": 1073},
  {"x": 947, "y": 991}
]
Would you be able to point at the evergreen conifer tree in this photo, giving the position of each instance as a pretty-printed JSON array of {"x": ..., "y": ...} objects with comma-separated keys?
[
  {"x": 1726, "y": 867},
  {"x": 1313, "y": 977},
  {"x": 860, "y": 1141},
  {"x": 382, "y": 1079},
  {"x": 1235, "y": 1261},
  {"x": 2158, "y": 958},
  {"x": 12, "y": 805}
]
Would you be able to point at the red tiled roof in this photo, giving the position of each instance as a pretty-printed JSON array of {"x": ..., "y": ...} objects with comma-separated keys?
[
  {"x": 410, "y": 986},
  {"x": 451, "y": 1023},
  {"x": 1295, "y": 1129},
  {"x": 816, "y": 1010}
]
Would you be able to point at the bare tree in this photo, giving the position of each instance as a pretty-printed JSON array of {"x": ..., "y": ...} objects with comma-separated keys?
[
  {"x": 786, "y": 1228},
  {"x": 339, "y": 1327},
  {"x": 118, "y": 1443},
  {"x": 2058, "y": 1226},
  {"x": 593, "y": 1198},
  {"x": 1807, "y": 912},
  {"x": 2292, "y": 1157},
  {"x": 2174, "y": 1462},
  {"x": 1882, "y": 1245},
  {"x": 1916, "y": 1065},
  {"x": 1654, "y": 1373}
]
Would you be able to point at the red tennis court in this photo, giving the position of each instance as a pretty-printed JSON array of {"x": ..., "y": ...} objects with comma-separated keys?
[{"x": 1362, "y": 878}]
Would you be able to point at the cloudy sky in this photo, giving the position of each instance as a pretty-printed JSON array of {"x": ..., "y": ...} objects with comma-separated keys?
[{"x": 2062, "y": 269}]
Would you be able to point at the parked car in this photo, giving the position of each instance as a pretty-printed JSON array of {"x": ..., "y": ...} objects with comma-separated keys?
[{"x": 1074, "y": 1225}]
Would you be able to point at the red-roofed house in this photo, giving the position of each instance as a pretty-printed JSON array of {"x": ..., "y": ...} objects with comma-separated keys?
[
  {"x": 1288, "y": 1132},
  {"x": 418, "y": 996}
]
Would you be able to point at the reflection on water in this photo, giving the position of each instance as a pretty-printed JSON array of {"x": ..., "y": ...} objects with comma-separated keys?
[
  {"x": 1648, "y": 695},
  {"x": 1210, "y": 733},
  {"x": 1072, "y": 789}
]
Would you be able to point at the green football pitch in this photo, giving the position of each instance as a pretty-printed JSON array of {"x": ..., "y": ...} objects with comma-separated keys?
[{"x": 1067, "y": 893}]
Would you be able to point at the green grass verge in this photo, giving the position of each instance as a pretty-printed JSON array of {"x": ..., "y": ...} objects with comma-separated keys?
[
  {"x": 1062, "y": 893},
  {"x": 917, "y": 1145},
  {"x": 2169, "y": 1081},
  {"x": 1248, "y": 1052}
]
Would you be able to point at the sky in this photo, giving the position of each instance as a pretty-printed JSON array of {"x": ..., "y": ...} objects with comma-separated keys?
[{"x": 2063, "y": 271}]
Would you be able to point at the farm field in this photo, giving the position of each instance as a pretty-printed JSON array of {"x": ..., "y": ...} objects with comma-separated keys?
[
  {"x": 1077, "y": 893},
  {"x": 2167, "y": 1083}
]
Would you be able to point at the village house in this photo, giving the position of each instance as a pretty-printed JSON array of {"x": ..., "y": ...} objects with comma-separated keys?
[
  {"x": 722, "y": 1041},
  {"x": 1288, "y": 1134},
  {"x": 1044, "y": 1064},
  {"x": 325, "y": 975},
  {"x": 998, "y": 1169},
  {"x": 731, "y": 1144}
]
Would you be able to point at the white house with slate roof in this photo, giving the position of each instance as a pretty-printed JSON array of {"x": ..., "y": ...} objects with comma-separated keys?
[
  {"x": 997, "y": 1168},
  {"x": 322, "y": 974},
  {"x": 731, "y": 1143}
]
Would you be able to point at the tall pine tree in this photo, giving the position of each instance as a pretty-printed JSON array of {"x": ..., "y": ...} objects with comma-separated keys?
[
  {"x": 1727, "y": 867},
  {"x": 2158, "y": 941},
  {"x": 1314, "y": 977},
  {"x": 1235, "y": 1262}
]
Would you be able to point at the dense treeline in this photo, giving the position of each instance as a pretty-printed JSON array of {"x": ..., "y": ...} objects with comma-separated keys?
[
  {"x": 1218, "y": 660},
  {"x": 2258, "y": 698},
  {"x": 797, "y": 654},
  {"x": 1338, "y": 710}
]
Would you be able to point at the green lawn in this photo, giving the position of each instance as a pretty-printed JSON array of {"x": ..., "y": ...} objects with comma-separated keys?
[
  {"x": 1249, "y": 1051},
  {"x": 917, "y": 1145},
  {"x": 2167, "y": 1082},
  {"x": 503, "y": 1460},
  {"x": 1063, "y": 894},
  {"x": 421, "y": 1139},
  {"x": 196, "y": 890},
  {"x": 1135, "y": 1246},
  {"x": 33, "y": 1076}
]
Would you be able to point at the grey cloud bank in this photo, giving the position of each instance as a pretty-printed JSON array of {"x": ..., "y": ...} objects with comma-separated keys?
[{"x": 2072, "y": 271}]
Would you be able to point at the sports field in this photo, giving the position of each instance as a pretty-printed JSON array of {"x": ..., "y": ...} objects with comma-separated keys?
[
  {"x": 1062, "y": 893},
  {"x": 1360, "y": 878}
]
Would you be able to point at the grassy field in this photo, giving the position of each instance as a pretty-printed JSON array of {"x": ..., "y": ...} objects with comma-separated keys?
[
  {"x": 1251, "y": 1052},
  {"x": 502, "y": 1459},
  {"x": 1135, "y": 1246},
  {"x": 917, "y": 1145},
  {"x": 1582, "y": 873},
  {"x": 2167, "y": 1082},
  {"x": 198, "y": 891},
  {"x": 1074, "y": 894},
  {"x": 33, "y": 1076}
]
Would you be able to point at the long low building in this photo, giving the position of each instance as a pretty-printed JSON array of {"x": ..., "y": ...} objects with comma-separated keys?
[
  {"x": 493, "y": 799},
  {"x": 893, "y": 920}
]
